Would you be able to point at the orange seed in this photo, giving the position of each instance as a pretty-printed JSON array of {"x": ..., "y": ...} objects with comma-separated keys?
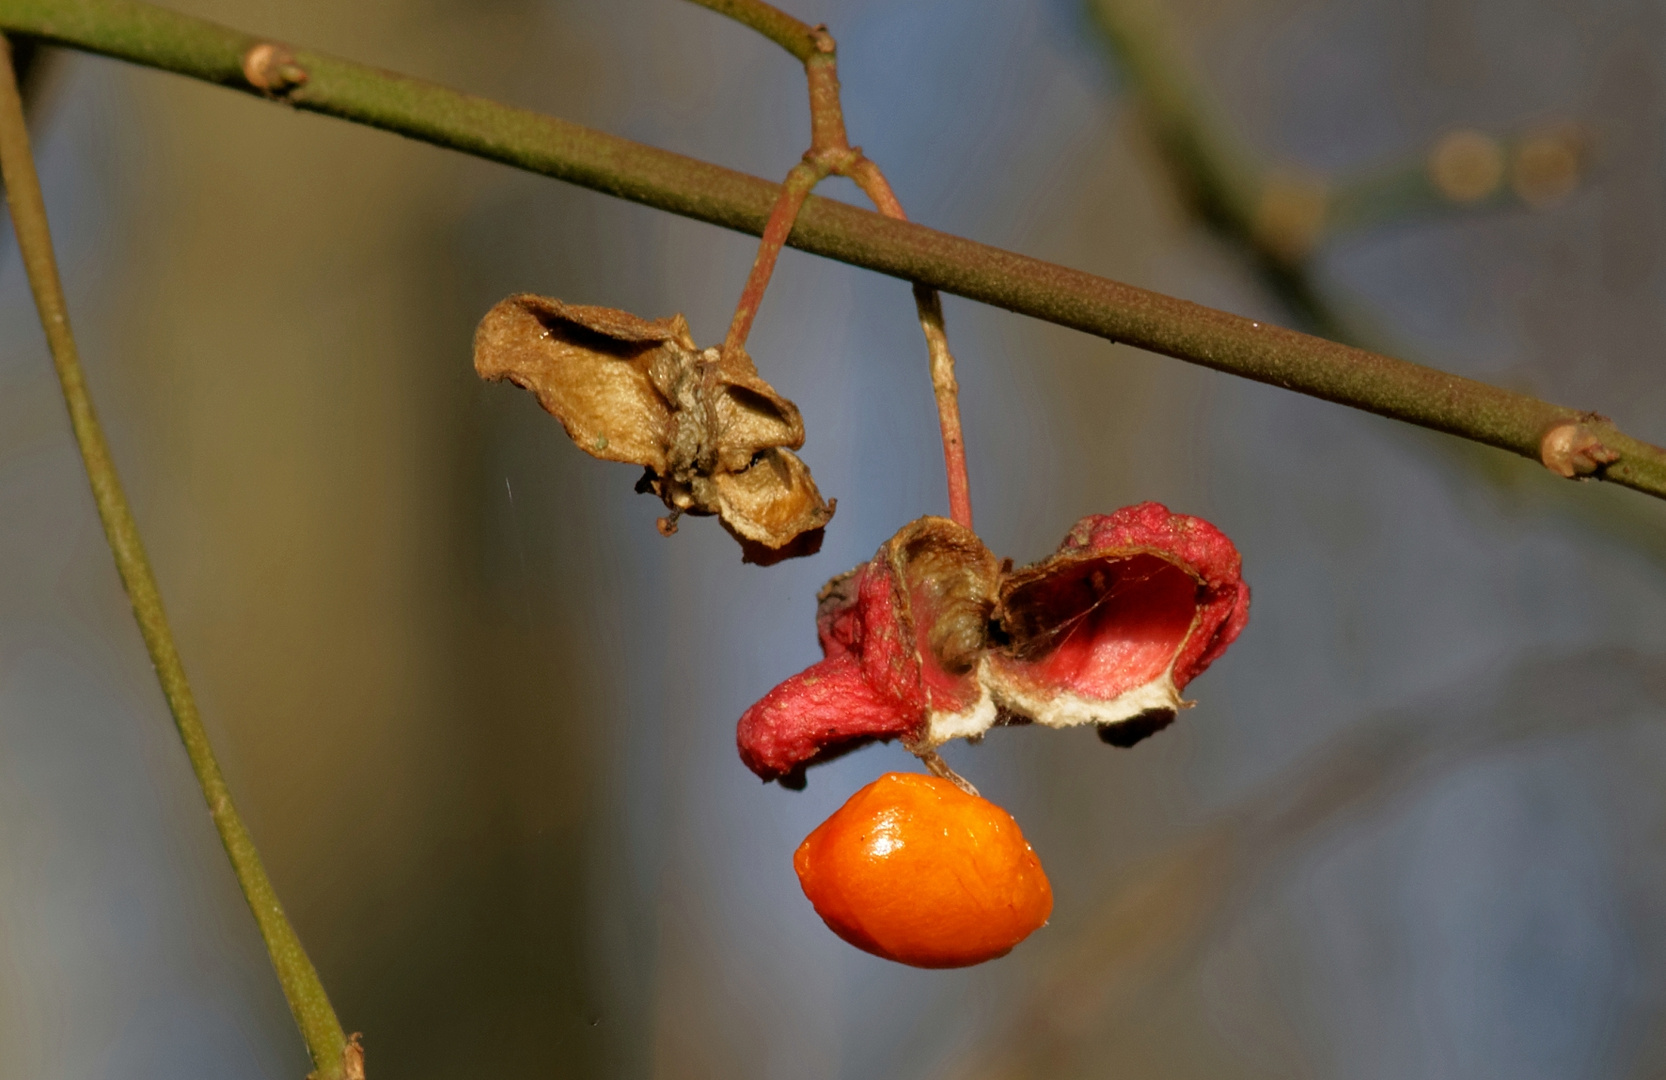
[{"x": 915, "y": 870}]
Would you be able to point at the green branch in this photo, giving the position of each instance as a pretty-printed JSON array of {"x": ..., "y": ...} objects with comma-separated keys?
[
  {"x": 794, "y": 35},
  {"x": 311, "y": 1006},
  {"x": 1254, "y": 350}
]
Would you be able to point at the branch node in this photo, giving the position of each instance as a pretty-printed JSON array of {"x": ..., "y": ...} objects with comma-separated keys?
[
  {"x": 1574, "y": 450},
  {"x": 272, "y": 69},
  {"x": 352, "y": 1058},
  {"x": 837, "y": 160}
]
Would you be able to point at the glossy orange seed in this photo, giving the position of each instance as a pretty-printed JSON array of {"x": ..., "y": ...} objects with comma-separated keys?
[{"x": 915, "y": 870}]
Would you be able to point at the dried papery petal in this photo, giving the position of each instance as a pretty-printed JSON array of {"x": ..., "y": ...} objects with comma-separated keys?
[
  {"x": 747, "y": 415},
  {"x": 1110, "y": 629},
  {"x": 714, "y": 437},
  {"x": 773, "y": 496},
  {"x": 588, "y": 367}
]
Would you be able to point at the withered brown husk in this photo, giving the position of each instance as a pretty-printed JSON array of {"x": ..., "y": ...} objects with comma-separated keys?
[{"x": 714, "y": 437}]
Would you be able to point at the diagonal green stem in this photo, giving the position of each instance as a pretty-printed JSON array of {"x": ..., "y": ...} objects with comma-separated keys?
[
  {"x": 794, "y": 190},
  {"x": 1254, "y": 350},
  {"x": 794, "y": 35},
  {"x": 307, "y": 999}
]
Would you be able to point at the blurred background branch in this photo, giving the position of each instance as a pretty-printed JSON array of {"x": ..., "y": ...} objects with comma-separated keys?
[
  {"x": 1279, "y": 217},
  {"x": 1464, "y": 171}
]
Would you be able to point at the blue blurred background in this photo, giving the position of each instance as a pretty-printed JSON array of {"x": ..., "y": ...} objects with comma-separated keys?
[{"x": 479, "y": 715}]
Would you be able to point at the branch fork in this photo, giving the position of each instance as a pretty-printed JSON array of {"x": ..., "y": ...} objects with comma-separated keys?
[
  {"x": 830, "y": 154},
  {"x": 152, "y": 36}
]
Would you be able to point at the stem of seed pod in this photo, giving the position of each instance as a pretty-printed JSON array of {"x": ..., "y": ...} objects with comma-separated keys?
[
  {"x": 828, "y": 138},
  {"x": 830, "y": 152},
  {"x": 934, "y": 763},
  {"x": 794, "y": 190},
  {"x": 943, "y": 382},
  {"x": 827, "y": 114}
]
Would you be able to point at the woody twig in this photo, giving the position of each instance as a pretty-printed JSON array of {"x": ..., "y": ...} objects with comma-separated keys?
[{"x": 831, "y": 154}]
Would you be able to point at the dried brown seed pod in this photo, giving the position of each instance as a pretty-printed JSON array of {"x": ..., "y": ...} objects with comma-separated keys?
[{"x": 714, "y": 437}]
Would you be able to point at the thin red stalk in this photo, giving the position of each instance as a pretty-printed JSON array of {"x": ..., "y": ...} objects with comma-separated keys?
[
  {"x": 830, "y": 147},
  {"x": 830, "y": 151},
  {"x": 943, "y": 382},
  {"x": 794, "y": 190},
  {"x": 947, "y": 391},
  {"x": 827, "y": 125}
]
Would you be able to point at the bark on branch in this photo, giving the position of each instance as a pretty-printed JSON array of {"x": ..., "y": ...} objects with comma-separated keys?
[{"x": 315, "y": 82}]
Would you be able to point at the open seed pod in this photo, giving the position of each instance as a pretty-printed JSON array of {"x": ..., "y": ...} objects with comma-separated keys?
[
  {"x": 1107, "y": 631},
  {"x": 903, "y": 635},
  {"x": 713, "y": 436},
  {"x": 933, "y": 640}
]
